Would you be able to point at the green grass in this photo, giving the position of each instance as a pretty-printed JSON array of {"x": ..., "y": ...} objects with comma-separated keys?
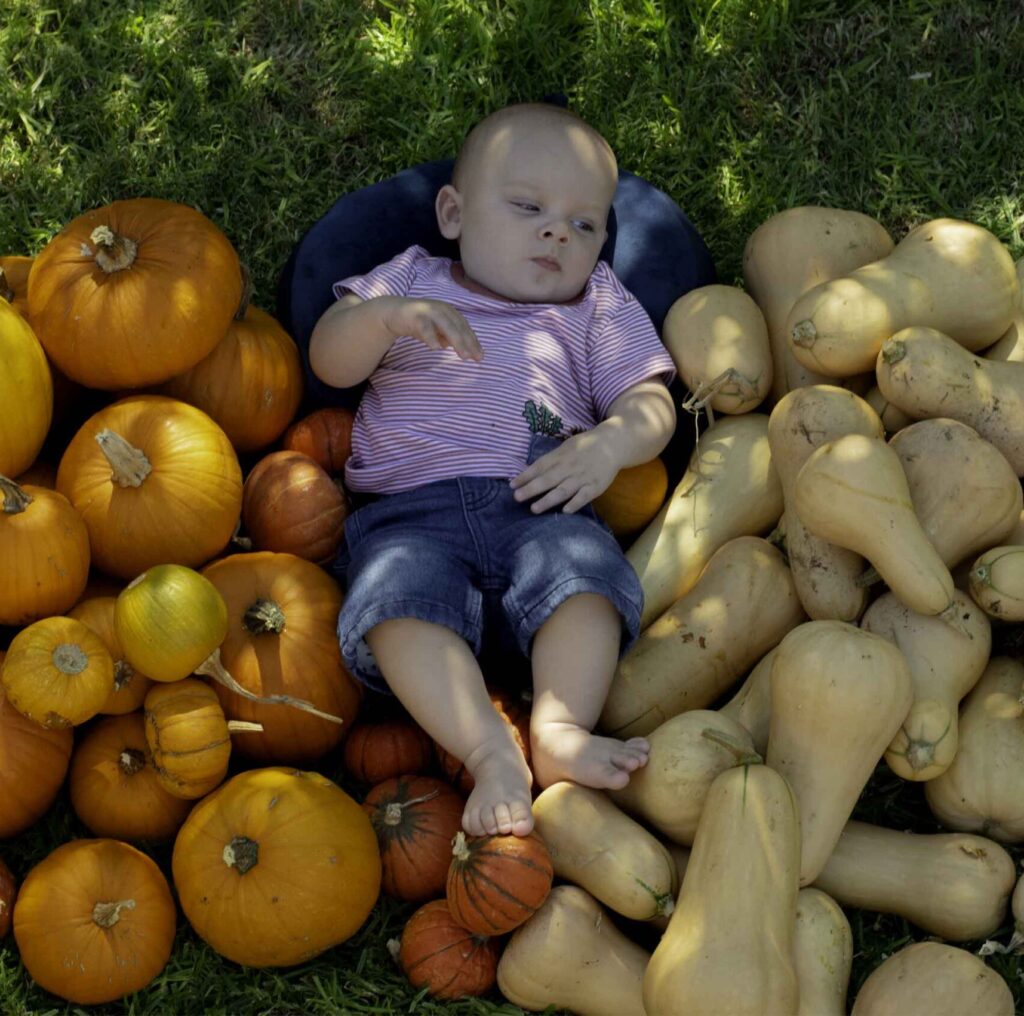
[{"x": 262, "y": 114}]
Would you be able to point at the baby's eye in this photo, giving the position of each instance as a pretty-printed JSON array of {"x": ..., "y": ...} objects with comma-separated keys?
[
  {"x": 587, "y": 227},
  {"x": 526, "y": 206}
]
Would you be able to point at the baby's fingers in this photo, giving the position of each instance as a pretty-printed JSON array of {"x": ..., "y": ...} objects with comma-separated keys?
[{"x": 459, "y": 335}]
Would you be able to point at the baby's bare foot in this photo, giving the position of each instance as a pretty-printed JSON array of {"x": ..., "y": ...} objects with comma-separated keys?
[
  {"x": 500, "y": 802},
  {"x": 563, "y": 751}
]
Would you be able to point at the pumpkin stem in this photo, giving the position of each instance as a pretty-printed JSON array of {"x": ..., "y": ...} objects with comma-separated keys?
[
  {"x": 920, "y": 755},
  {"x": 69, "y": 658},
  {"x": 243, "y": 303},
  {"x": 212, "y": 667},
  {"x": 106, "y": 915},
  {"x": 6, "y": 293},
  {"x": 241, "y": 853},
  {"x": 131, "y": 761},
  {"x": 16, "y": 500},
  {"x": 263, "y": 616},
  {"x": 460, "y": 848},
  {"x": 114, "y": 253},
  {"x": 237, "y": 539},
  {"x": 129, "y": 465},
  {"x": 393, "y": 812},
  {"x": 743, "y": 755},
  {"x": 244, "y": 726},
  {"x": 804, "y": 333},
  {"x": 123, "y": 674}
]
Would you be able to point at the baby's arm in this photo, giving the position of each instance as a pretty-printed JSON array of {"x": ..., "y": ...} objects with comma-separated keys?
[{"x": 353, "y": 335}]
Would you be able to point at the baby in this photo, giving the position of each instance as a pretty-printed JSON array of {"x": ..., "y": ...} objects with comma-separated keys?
[{"x": 506, "y": 390}]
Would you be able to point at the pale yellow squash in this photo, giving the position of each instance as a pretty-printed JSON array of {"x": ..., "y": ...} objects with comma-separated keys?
[
  {"x": 893, "y": 418},
  {"x": 1010, "y": 346},
  {"x": 997, "y": 583},
  {"x": 823, "y": 953},
  {"x": 751, "y": 706}
]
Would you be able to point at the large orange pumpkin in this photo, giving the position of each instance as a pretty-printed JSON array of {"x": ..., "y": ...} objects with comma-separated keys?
[
  {"x": 156, "y": 481},
  {"x": 275, "y": 866},
  {"x": 33, "y": 763},
  {"x": 94, "y": 921},
  {"x": 325, "y": 435},
  {"x": 375, "y": 752},
  {"x": 114, "y": 786},
  {"x": 283, "y": 612},
  {"x": 133, "y": 293},
  {"x": 44, "y": 546},
  {"x": 26, "y": 393}
]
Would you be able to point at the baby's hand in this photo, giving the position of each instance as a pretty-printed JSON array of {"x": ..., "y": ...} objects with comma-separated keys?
[
  {"x": 435, "y": 323},
  {"x": 581, "y": 468}
]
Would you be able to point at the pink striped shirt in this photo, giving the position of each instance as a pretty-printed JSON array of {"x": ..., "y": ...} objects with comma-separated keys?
[{"x": 427, "y": 415}]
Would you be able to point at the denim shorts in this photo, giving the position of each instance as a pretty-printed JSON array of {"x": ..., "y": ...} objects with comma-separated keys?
[{"x": 464, "y": 553}]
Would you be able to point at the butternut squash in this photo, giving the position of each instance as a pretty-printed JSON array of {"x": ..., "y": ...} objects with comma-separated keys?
[
  {"x": 982, "y": 790},
  {"x": 853, "y": 492},
  {"x": 933, "y": 979},
  {"x": 944, "y": 666},
  {"x": 570, "y": 955},
  {"x": 738, "y": 899},
  {"x": 825, "y": 574},
  {"x": 743, "y": 604},
  {"x": 997, "y": 583},
  {"x": 751, "y": 706},
  {"x": 791, "y": 253},
  {"x": 953, "y": 885},
  {"x": 946, "y": 274},
  {"x": 729, "y": 489},
  {"x": 893, "y": 418},
  {"x": 1017, "y": 909},
  {"x": 1015, "y": 537},
  {"x": 839, "y": 694},
  {"x": 926, "y": 374},
  {"x": 593, "y": 844},
  {"x": 823, "y": 953},
  {"x": 1010, "y": 346},
  {"x": 718, "y": 338}
]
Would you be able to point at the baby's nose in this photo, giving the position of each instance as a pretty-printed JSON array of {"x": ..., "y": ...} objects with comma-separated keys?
[{"x": 557, "y": 230}]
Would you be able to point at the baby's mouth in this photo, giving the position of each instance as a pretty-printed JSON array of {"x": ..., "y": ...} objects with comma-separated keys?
[{"x": 549, "y": 263}]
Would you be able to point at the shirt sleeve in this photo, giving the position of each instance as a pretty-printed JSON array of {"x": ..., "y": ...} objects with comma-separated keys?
[{"x": 392, "y": 278}]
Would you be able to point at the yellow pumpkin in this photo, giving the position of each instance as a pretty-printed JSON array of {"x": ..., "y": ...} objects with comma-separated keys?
[
  {"x": 634, "y": 497},
  {"x": 26, "y": 393}
]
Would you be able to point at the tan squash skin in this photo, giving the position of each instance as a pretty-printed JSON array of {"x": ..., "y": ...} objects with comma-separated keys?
[
  {"x": 937, "y": 979},
  {"x": 738, "y": 899},
  {"x": 926, "y": 374},
  {"x": 853, "y": 492},
  {"x": 839, "y": 694},
  {"x": 687, "y": 753},
  {"x": 953, "y": 885},
  {"x": 983, "y": 790},
  {"x": 965, "y": 494},
  {"x": 791, "y": 253},
  {"x": 593, "y": 844},
  {"x": 1010, "y": 346},
  {"x": 893, "y": 418},
  {"x": 751, "y": 706},
  {"x": 570, "y": 955},
  {"x": 718, "y": 338},
  {"x": 743, "y": 605},
  {"x": 944, "y": 666},
  {"x": 946, "y": 274},
  {"x": 823, "y": 953},
  {"x": 730, "y": 489},
  {"x": 1015, "y": 537},
  {"x": 805, "y": 419},
  {"x": 997, "y": 583}
]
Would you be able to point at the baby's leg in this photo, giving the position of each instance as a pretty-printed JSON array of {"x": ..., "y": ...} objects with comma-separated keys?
[
  {"x": 434, "y": 674},
  {"x": 574, "y": 656}
]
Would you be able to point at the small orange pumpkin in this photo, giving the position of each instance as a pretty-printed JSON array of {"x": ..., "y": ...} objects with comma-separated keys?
[
  {"x": 634, "y": 497},
  {"x": 131, "y": 294},
  {"x": 325, "y": 435},
  {"x": 375, "y": 752},
  {"x": 495, "y": 883},
  {"x": 440, "y": 955},
  {"x": 8, "y": 891},
  {"x": 94, "y": 921},
  {"x": 26, "y": 393},
  {"x": 14, "y": 271}
]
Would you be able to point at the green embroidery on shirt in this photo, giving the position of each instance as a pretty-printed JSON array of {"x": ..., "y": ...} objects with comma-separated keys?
[{"x": 541, "y": 420}]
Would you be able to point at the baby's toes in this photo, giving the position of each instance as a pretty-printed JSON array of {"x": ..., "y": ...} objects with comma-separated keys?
[
  {"x": 628, "y": 759},
  {"x": 473, "y": 823},
  {"x": 522, "y": 818},
  {"x": 503, "y": 818}
]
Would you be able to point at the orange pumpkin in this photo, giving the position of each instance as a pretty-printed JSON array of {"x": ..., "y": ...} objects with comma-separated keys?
[
  {"x": 415, "y": 819},
  {"x": 291, "y": 505},
  {"x": 8, "y": 891},
  {"x": 26, "y": 393},
  {"x": 130, "y": 685},
  {"x": 33, "y": 764},
  {"x": 275, "y": 866},
  {"x": 114, "y": 786},
  {"x": 634, "y": 497},
  {"x": 156, "y": 481},
  {"x": 325, "y": 435},
  {"x": 133, "y": 293},
  {"x": 40, "y": 474},
  {"x": 440, "y": 955},
  {"x": 251, "y": 384},
  {"x": 94, "y": 921},
  {"x": 281, "y": 640},
  {"x": 14, "y": 271},
  {"x": 57, "y": 672},
  {"x": 495, "y": 883},
  {"x": 375, "y": 752},
  {"x": 44, "y": 546}
]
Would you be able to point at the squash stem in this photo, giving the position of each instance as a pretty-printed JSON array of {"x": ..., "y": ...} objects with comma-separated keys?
[
  {"x": 129, "y": 464},
  {"x": 106, "y": 915},
  {"x": 16, "y": 500},
  {"x": 460, "y": 848},
  {"x": 114, "y": 253},
  {"x": 393, "y": 812},
  {"x": 743, "y": 755},
  {"x": 241, "y": 853},
  {"x": 131, "y": 761},
  {"x": 244, "y": 727},
  {"x": 262, "y": 617}
]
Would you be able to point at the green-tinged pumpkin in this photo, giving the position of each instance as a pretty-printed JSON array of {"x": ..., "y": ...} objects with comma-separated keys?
[{"x": 26, "y": 393}]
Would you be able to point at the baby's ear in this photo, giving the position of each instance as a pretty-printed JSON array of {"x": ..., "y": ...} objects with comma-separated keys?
[{"x": 448, "y": 206}]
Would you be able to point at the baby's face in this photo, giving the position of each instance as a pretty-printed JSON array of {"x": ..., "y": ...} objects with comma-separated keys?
[{"x": 534, "y": 210}]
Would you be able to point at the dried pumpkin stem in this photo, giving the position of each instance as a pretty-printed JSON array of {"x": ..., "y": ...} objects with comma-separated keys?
[
  {"x": 460, "y": 848},
  {"x": 243, "y": 727},
  {"x": 729, "y": 382},
  {"x": 131, "y": 761},
  {"x": 804, "y": 334},
  {"x": 262, "y": 617},
  {"x": 241, "y": 853},
  {"x": 129, "y": 464},
  {"x": 114, "y": 253},
  {"x": 16, "y": 500},
  {"x": 744, "y": 756},
  {"x": 123, "y": 674},
  {"x": 393, "y": 812},
  {"x": 106, "y": 915},
  {"x": 69, "y": 658}
]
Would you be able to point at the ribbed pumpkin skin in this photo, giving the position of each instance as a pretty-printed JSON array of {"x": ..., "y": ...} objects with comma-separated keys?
[
  {"x": 315, "y": 878},
  {"x": 325, "y": 435},
  {"x": 33, "y": 763},
  {"x": 114, "y": 786},
  {"x": 441, "y": 955},
  {"x": 44, "y": 546},
  {"x": 144, "y": 324},
  {"x": 8, "y": 890},
  {"x": 61, "y": 945},
  {"x": 183, "y": 512},
  {"x": 375, "y": 752},
  {"x": 500, "y": 882},
  {"x": 415, "y": 819},
  {"x": 26, "y": 393},
  {"x": 251, "y": 384}
]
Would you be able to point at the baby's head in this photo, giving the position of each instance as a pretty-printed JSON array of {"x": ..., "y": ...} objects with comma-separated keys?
[{"x": 529, "y": 202}]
